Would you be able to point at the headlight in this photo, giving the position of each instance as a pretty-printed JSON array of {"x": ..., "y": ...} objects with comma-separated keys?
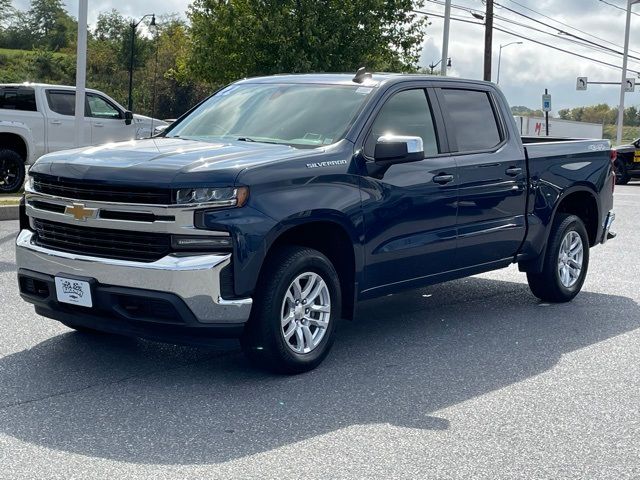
[{"x": 214, "y": 197}]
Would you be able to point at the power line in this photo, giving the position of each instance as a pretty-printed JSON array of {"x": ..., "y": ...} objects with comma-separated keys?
[
  {"x": 576, "y": 39},
  {"x": 464, "y": 20},
  {"x": 618, "y": 7},
  {"x": 565, "y": 24}
]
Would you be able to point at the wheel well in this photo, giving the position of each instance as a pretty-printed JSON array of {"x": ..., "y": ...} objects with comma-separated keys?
[
  {"x": 14, "y": 142},
  {"x": 584, "y": 206},
  {"x": 333, "y": 241}
]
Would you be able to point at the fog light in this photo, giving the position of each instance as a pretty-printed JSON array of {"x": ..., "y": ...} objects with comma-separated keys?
[{"x": 181, "y": 242}]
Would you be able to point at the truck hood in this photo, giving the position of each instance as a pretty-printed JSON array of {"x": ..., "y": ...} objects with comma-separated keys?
[{"x": 165, "y": 162}]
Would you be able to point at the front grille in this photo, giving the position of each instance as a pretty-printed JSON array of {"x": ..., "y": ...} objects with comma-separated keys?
[
  {"x": 80, "y": 190},
  {"x": 102, "y": 242}
]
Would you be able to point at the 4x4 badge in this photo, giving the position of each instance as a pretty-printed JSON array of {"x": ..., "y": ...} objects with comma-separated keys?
[{"x": 80, "y": 212}]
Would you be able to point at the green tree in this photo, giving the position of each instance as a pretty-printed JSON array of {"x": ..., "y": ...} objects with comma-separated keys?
[
  {"x": 631, "y": 116},
  {"x": 237, "y": 38},
  {"x": 18, "y": 33},
  {"x": 6, "y": 13},
  {"x": 50, "y": 24}
]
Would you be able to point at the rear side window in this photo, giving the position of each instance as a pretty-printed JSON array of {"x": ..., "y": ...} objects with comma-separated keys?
[
  {"x": 63, "y": 103},
  {"x": 472, "y": 120},
  {"x": 19, "y": 98},
  {"x": 405, "y": 113}
]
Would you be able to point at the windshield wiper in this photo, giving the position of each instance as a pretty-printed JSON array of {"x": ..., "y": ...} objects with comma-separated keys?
[{"x": 249, "y": 139}]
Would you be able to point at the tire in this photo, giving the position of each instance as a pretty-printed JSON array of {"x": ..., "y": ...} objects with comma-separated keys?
[
  {"x": 12, "y": 171},
  {"x": 557, "y": 282},
  {"x": 622, "y": 176},
  {"x": 264, "y": 341}
]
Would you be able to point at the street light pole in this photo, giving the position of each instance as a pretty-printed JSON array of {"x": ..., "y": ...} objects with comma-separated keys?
[
  {"x": 133, "y": 26},
  {"x": 623, "y": 81},
  {"x": 488, "y": 40},
  {"x": 500, "y": 57},
  {"x": 81, "y": 72},
  {"x": 445, "y": 38},
  {"x": 434, "y": 65}
]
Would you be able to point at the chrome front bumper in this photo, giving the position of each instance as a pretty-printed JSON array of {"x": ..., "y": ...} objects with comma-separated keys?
[{"x": 195, "y": 279}]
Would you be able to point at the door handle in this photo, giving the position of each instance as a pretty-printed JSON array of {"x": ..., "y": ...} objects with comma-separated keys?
[
  {"x": 98, "y": 124},
  {"x": 55, "y": 122},
  {"x": 513, "y": 171},
  {"x": 443, "y": 178}
]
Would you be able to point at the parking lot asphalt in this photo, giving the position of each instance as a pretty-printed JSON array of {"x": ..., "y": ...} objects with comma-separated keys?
[{"x": 470, "y": 379}]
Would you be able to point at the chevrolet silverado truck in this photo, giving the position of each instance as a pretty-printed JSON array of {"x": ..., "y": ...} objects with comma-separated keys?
[
  {"x": 627, "y": 163},
  {"x": 273, "y": 207},
  {"x": 38, "y": 118}
]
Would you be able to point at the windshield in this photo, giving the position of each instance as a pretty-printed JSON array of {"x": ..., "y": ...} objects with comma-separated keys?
[{"x": 301, "y": 115}]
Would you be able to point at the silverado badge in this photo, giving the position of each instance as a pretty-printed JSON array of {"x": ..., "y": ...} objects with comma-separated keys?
[{"x": 79, "y": 212}]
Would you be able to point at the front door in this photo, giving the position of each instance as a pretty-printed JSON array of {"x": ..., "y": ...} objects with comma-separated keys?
[
  {"x": 107, "y": 121},
  {"x": 492, "y": 177},
  {"x": 409, "y": 209}
]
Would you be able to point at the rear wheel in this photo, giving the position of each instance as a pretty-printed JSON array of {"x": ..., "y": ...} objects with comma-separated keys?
[
  {"x": 293, "y": 319},
  {"x": 622, "y": 176},
  {"x": 566, "y": 261}
]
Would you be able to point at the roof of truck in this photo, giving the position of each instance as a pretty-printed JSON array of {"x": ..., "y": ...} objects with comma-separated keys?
[
  {"x": 45, "y": 85},
  {"x": 348, "y": 78}
]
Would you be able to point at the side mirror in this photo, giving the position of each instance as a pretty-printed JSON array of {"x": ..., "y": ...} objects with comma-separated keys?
[
  {"x": 392, "y": 149},
  {"x": 128, "y": 117}
]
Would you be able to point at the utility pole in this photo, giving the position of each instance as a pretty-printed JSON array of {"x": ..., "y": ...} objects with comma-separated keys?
[
  {"x": 623, "y": 81},
  {"x": 445, "y": 38},
  {"x": 488, "y": 40}
]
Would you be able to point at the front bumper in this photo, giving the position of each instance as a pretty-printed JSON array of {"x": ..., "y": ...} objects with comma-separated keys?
[{"x": 194, "y": 280}]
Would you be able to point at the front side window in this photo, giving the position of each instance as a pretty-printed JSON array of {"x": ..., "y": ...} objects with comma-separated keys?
[
  {"x": 405, "y": 113},
  {"x": 300, "y": 115},
  {"x": 473, "y": 120},
  {"x": 101, "y": 108},
  {"x": 20, "y": 98},
  {"x": 63, "y": 103}
]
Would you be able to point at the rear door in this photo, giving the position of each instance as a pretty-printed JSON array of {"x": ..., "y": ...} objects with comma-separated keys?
[
  {"x": 107, "y": 121},
  {"x": 61, "y": 133},
  {"x": 410, "y": 218},
  {"x": 492, "y": 175}
]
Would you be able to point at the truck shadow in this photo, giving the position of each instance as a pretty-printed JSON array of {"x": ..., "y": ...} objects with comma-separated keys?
[{"x": 406, "y": 358}]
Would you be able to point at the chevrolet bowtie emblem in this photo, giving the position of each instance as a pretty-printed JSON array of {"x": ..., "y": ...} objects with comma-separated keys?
[{"x": 80, "y": 212}]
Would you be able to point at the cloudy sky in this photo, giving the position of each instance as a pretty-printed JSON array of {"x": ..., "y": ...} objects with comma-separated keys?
[{"x": 526, "y": 69}]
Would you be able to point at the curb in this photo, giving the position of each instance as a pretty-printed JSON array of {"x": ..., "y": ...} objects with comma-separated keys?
[{"x": 9, "y": 212}]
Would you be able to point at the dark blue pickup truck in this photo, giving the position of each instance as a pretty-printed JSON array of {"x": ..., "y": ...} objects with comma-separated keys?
[{"x": 272, "y": 208}]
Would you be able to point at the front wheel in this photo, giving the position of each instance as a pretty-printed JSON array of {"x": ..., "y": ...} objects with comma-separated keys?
[
  {"x": 293, "y": 319},
  {"x": 566, "y": 261},
  {"x": 12, "y": 171}
]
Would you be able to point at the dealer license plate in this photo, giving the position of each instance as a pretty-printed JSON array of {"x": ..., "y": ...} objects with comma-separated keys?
[{"x": 75, "y": 292}]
